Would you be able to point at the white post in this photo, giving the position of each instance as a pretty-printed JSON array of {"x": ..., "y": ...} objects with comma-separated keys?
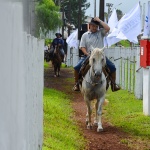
[
  {"x": 146, "y": 70},
  {"x": 68, "y": 56},
  {"x": 146, "y": 91},
  {"x": 75, "y": 56}
]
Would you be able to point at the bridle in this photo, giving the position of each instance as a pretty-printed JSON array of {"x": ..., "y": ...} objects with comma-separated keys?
[{"x": 94, "y": 83}]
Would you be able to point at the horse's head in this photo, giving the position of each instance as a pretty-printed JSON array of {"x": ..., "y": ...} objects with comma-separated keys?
[{"x": 97, "y": 61}]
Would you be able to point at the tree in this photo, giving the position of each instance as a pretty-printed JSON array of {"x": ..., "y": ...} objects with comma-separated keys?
[
  {"x": 119, "y": 14},
  {"x": 71, "y": 9},
  {"x": 48, "y": 16}
]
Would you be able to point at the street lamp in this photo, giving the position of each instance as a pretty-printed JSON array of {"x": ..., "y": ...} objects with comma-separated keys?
[
  {"x": 109, "y": 5},
  {"x": 116, "y": 5},
  {"x": 110, "y": 8}
]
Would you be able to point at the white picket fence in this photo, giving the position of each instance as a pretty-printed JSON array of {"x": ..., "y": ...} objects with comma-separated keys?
[
  {"x": 127, "y": 62},
  {"x": 21, "y": 82},
  {"x": 129, "y": 72}
]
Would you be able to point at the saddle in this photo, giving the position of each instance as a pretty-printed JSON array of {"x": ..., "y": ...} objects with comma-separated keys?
[{"x": 86, "y": 66}]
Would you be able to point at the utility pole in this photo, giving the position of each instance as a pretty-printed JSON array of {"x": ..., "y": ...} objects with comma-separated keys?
[
  {"x": 69, "y": 17},
  {"x": 62, "y": 18},
  {"x": 79, "y": 19},
  {"x": 109, "y": 5},
  {"x": 101, "y": 11},
  {"x": 94, "y": 8}
]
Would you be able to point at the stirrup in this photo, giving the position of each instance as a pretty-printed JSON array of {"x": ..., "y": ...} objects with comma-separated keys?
[
  {"x": 76, "y": 87},
  {"x": 115, "y": 87}
]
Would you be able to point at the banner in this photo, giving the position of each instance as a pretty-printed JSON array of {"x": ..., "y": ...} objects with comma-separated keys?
[
  {"x": 128, "y": 27},
  {"x": 72, "y": 40},
  {"x": 113, "y": 20},
  {"x": 130, "y": 24},
  {"x": 147, "y": 23}
]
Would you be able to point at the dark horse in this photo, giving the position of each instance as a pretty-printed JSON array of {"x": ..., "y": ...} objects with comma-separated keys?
[{"x": 56, "y": 61}]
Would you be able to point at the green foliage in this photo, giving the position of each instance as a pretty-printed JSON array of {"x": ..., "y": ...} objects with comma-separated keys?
[
  {"x": 46, "y": 65},
  {"x": 119, "y": 14},
  {"x": 48, "y": 41},
  {"x": 125, "y": 43},
  {"x": 71, "y": 9},
  {"x": 48, "y": 16},
  {"x": 60, "y": 130}
]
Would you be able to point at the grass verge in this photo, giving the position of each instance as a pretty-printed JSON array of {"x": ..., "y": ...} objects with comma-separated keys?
[
  {"x": 125, "y": 112},
  {"x": 60, "y": 130}
]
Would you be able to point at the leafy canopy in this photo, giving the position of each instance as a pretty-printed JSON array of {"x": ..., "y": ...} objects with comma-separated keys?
[
  {"x": 71, "y": 9},
  {"x": 48, "y": 16}
]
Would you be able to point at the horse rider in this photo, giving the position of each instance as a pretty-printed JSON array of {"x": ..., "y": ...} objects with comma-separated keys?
[
  {"x": 59, "y": 41},
  {"x": 91, "y": 39}
]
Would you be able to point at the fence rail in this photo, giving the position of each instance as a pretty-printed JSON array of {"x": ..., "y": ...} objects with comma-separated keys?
[
  {"x": 129, "y": 72},
  {"x": 127, "y": 62}
]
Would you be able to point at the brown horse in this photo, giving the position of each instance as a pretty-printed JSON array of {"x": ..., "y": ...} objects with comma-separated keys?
[{"x": 56, "y": 61}]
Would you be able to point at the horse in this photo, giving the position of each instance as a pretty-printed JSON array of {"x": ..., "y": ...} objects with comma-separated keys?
[
  {"x": 48, "y": 54},
  {"x": 56, "y": 61},
  {"x": 93, "y": 86}
]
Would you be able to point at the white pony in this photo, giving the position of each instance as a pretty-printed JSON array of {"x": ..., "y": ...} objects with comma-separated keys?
[{"x": 94, "y": 87}]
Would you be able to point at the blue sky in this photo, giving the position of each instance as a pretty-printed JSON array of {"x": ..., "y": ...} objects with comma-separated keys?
[{"x": 125, "y": 7}]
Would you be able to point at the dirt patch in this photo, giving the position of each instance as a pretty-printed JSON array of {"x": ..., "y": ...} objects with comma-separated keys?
[{"x": 111, "y": 138}]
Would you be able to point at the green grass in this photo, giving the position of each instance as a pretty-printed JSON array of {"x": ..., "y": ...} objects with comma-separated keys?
[
  {"x": 46, "y": 65},
  {"x": 123, "y": 111},
  {"x": 126, "y": 112},
  {"x": 60, "y": 130}
]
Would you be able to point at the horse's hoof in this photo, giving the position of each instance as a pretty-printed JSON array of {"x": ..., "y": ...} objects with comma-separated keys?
[
  {"x": 95, "y": 124},
  {"x": 99, "y": 129},
  {"x": 87, "y": 122},
  {"x": 89, "y": 127}
]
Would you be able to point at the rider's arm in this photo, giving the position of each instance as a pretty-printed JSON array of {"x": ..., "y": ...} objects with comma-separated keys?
[
  {"x": 83, "y": 44},
  {"x": 83, "y": 49},
  {"x": 106, "y": 27}
]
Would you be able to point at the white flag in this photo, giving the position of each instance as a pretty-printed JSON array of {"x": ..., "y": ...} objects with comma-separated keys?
[
  {"x": 111, "y": 38},
  {"x": 113, "y": 20},
  {"x": 72, "y": 40},
  {"x": 130, "y": 24},
  {"x": 147, "y": 23},
  {"x": 128, "y": 27}
]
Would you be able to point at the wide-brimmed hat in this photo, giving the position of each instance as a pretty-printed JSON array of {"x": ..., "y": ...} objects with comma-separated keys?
[
  {"x": 58, "y": 34},
  {"x": 94, "y": 22}
]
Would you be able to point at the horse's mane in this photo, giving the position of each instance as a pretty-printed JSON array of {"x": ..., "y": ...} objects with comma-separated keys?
[{"x": 95, "y": 53}]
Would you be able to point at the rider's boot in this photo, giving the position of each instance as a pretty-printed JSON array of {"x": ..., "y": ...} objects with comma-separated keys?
[
  {"x": 114, "y": 86},
  {"x": 76, "y": 78}
]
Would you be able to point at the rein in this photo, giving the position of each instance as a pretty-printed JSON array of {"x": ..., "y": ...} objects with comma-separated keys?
[{"x": 92, "y": 83}]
